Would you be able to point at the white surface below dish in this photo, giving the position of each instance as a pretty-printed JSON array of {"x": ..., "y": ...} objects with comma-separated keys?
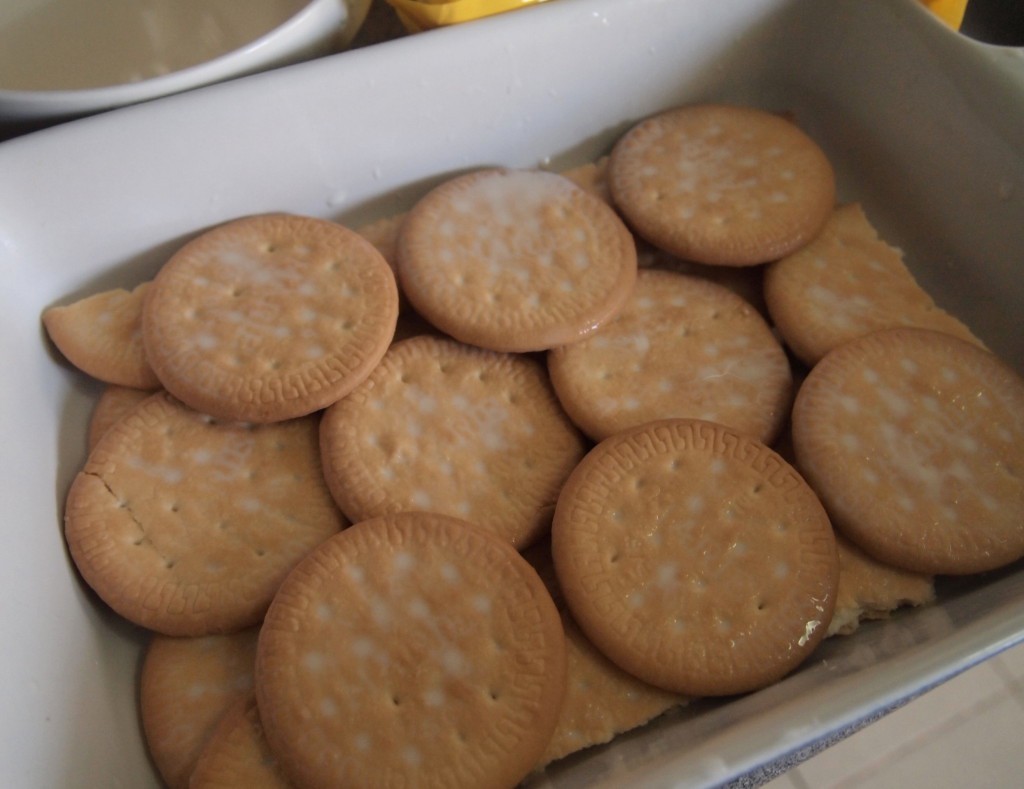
[{"x": 925, "y": 128}]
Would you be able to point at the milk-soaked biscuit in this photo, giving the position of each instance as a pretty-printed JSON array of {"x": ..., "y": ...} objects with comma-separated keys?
[
  {"x": 747, "y": 282},
  {"x": 185, "y": 687},
  {"x": 870, "y": 589},
  {"x": 237, "y": 754},
  {"x": 101, "y": 335},
  {"x": 515, "y": 260},
  {"x": 601, "y": 700},
  {"x": 721, "y": 184},
  {"x": 914, "y": 440},
  {"x": 113, "y": 403},
  {"x": 593, "y": 177},
  {"x": 681, "y": 347},
  {"x": 269, "y": 317},
  {"x": 383, "y": 234},
  {"x": 847, "y": 282},
  {"x": 446, "y": 427},
  {"x": 186, "y": 525},
  {"x": 412, "y": 649},
  {"x": 695, "y": 557}
]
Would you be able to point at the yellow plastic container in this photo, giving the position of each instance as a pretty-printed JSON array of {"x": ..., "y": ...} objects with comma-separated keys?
[
  {"x": 418, "y": 15},
  {"x": 949, "y": 11}
]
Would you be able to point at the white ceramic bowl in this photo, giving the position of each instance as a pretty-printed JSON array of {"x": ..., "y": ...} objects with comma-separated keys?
[{"x": 314, "y": 28}]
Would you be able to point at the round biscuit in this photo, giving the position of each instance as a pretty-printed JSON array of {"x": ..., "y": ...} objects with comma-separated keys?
[
  {"x": 695, "y": 557},
  {"x": 237, "y": 754},
  {"x": 113, "y": 403},
  {"x": 681, "y": 347},
  {"x": 720, "y": 184},
  {"x": 450, "y": 428},
  {"x": 844, "y": 283},
  {"x": 269, "y": 317},
  {"x": 186, "y": 685},
  {"x": 601, "y": 700},
  {"x": 186, "y": 525},
  {"x": 411, "y": 649},
  {"x": 515, "y": 260},
  {"x": 747, "y": 282},
  {"x": 914, "y": 440}
]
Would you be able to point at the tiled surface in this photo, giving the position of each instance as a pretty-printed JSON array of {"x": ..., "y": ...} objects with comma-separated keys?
[{"x": 968, "y": 732}]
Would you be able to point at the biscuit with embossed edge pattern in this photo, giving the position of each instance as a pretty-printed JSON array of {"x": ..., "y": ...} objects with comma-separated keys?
[{"x": 695, "y": 557}]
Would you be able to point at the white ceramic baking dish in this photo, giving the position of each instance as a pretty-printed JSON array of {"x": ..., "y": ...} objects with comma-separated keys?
[{"x": 926, "y": 128}]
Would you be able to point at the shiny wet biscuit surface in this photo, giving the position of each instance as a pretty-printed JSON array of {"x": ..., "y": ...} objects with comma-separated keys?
[
  {"x": 912, "y": 438},
  {"x": 269, "y": 317},
  {"x": 515, "y": 260},
  {"x": 720, "y": 184},
  {"x": 414, "y": 648},
  {"x": 695, "y": 557}
]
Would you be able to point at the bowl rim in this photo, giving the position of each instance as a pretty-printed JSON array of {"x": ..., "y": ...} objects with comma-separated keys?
[{"x": 315, "y": 19}]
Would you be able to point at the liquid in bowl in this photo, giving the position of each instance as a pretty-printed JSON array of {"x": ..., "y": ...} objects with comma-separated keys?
[{"x": 49, "y": 45}]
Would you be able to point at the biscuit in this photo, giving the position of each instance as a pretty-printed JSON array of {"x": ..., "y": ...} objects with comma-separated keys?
[
  {"x": 186, "y": 685},
  {"x": 515, "y": 260},
  {"x": 723, "y": 185},
  {"x": 450, "y": 428},
  {"x": 592, "y": 177},
  {"x": 237, "y": 754},
  {"x": 914, "y": 440},
  {"x": 411, "y": 649},
  {"x": 113, "y": 403},
  {"x": 847, "y": 282},
  {"x": 601, "y": 700},
  {"x": 383, "y": 234},
  {"x": 186, "y": 525},
  {"x": 869, "y": 589},
  {"x": 747, "y": 282},
  {"x": 101, "y": 335},
  {"x": 269, "y": 317},
  {"x": 681, "y": 347},
  {"x": 695, "y": 557}
]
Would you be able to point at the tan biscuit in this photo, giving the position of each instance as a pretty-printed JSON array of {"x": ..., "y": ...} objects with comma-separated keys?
[
  {"x": 185, "y": 687},
  {"x": 383, "y": 234},
  {"x": 718, "y": 184},
  {"x": 870, "y": 589},
  {"x": 593, "y": 177},
  {"x": 747, "y": 282},
  {"x": 186, "y": 525},
  {"x": 681, "y": 347},
  {"x": 113, "y": 403},
  {"x": 450, "y": 428},
  {"x": 914, "y": 440},
  {"x": 101, "y": 335},
  {"x": 695, "y": 557},
  {"x": 269, "y": 317},
  {"x": 412, "y": 324},
  {"x": 515, "y": 260},
  {"x": 237, "y": 753},
  {"x": 414, "y": 648},
  {"x": 601, "y": 700},
  {"x": 845, "y": 283}
]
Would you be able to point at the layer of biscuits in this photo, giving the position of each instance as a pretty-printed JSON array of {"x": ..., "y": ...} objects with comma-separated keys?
[{"x": 605, "y": 395}]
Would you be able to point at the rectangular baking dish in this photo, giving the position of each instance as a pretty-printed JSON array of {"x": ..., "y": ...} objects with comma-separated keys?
[{"x": 925, "y": 128}]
